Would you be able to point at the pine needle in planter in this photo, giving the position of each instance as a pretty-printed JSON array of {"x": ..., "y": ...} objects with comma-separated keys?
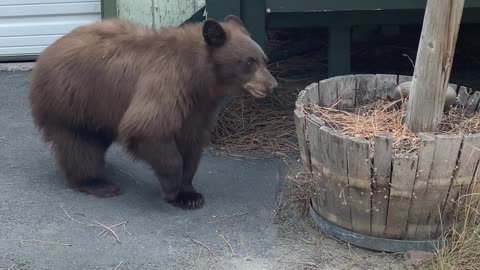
[
  {"x": 457, "y": 121},
  {"x": 379, "y": 118},
  {"x": 383, "y": 118}
]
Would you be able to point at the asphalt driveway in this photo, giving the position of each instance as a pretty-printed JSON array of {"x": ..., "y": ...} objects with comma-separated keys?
[{"x": 44, "y": 225}]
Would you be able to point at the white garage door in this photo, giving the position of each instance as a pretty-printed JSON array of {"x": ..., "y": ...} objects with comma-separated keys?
[{"x": 27, "y": 27}]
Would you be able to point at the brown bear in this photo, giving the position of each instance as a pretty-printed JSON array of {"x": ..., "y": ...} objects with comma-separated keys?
[{"x": 156, "y": 92}]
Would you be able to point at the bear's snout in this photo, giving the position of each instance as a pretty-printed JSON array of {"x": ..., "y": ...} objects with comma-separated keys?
[
  {"x": 261, "y": 84},
  {"x": 270, "y": 83},
  {"x": 273, "y": 84}
]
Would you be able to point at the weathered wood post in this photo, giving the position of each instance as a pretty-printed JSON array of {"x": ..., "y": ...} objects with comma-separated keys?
[{"x": 433, "y": 64}]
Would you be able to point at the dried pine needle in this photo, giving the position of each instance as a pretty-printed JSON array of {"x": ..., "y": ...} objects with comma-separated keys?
[
  {"x": 98, "y": 224},
  {"x": 227, "y": 244},
  {"x": 48, "y": 243},
  {"x": 118, "y": 265},
  {"x": 383, "y": 118}
]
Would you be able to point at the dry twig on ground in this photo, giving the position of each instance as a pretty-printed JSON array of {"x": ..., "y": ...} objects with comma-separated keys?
[{"x": 106, "y": 229}]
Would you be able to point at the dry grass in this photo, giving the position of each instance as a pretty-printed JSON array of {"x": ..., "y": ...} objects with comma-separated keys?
[
  {"x": 296, "y": 194},
  {"x": 461, "y": 248}
]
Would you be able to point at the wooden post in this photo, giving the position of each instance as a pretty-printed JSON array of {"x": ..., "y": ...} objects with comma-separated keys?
[
  {"x": 339, "y": 39},
  {"x": 433, "y": 64},
  {"x": 109, "y": 9}
]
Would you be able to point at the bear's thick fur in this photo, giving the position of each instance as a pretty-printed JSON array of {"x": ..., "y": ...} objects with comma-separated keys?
[{"x": 154, "y": 91}]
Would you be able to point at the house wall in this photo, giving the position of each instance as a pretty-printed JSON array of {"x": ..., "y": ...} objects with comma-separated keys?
[{"x": 158, "y": 13}]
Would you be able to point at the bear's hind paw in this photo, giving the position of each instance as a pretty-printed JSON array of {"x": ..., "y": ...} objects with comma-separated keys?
[{"x": 98, "y": 188}]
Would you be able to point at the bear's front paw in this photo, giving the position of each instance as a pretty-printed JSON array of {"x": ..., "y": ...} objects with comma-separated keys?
[{"x": 188, "y": 200}]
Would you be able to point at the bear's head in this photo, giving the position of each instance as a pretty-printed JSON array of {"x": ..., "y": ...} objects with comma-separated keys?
[{"x": 240, "y": 63}]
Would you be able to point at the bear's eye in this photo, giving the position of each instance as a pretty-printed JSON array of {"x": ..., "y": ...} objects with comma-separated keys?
[{"x": 250, "y": 61}]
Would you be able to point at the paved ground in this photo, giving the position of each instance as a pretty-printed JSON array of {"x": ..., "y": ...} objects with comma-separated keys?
[{"x": 36, "y": 233}]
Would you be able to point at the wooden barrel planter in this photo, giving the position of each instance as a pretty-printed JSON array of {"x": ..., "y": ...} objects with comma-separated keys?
[{"x": 378, "y": 199}]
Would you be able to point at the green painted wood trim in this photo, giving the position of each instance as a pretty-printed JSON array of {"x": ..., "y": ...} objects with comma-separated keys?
[
  {"x": 339, "y": 40},
  {"x": 219, "y": 9},
  {"x": 339, "y": 5},
  {"x": 109, "y": 9},
  {"x": 254, "y": 16},
  {"x": 339, "y": 24},
  {"x": 385, "y": 17}
]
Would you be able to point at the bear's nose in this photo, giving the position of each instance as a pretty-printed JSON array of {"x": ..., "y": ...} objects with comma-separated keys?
[{"x": 273, "y": 84}]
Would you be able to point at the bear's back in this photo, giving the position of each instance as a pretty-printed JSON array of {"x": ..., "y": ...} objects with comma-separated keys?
[{"x": 90, "y": 73}]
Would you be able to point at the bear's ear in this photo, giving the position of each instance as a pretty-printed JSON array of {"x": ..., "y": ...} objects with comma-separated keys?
[
  {"x": 214, "y": 34},
  {"x": 233, "y": 19}
]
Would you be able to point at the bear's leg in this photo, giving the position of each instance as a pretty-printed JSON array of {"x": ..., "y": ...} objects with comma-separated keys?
[
  {"x": 167, "y": 163},
  {"x": 191, "y": 159},
  {"x": 80, "y": 155}
]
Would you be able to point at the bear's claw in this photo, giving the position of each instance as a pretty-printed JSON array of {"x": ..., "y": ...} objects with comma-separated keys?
[{"x": 189, "y": 200}]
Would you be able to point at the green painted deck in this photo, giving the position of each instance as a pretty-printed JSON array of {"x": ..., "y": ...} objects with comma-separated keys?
[{"x": 337, "y": 15}]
